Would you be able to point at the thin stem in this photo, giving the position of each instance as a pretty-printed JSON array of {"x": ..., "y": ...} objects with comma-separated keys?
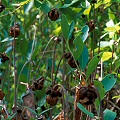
[
  {"x": 42, "y": 56},
  {"x": 53, "y": 61},
  {"x": 15, "y": 71}
]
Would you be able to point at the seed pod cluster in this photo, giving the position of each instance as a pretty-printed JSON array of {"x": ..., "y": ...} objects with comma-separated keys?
[
  {"x": 52, "y": 95},
  {"x": 4, "y": 57},
  {"x": 15, "y": 31},
  {"x": 38, "y": 84},
  {"x": 71, "y": 60},
  {"x": 2, "y": 7},
  {"x": 2, "y": 94},
  {"x": 87, "y": 95},
  {"x": 53, "y": 14},
  {"x": 91, "y": 25}
]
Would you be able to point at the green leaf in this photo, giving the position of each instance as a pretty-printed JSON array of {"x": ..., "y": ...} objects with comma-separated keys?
[
  {"x": 116, "y": 97},
  {"x": 31, "y": 20},
  {"x": 71, "y": 28},
  {"x": 37, "y": 3},
  {"x": 31, "y": 110},
  {"x": 93, "y": 64},
  {"x": 109, "y": 81},
  {"x": 117, "y": 64},
  {"x": 100, "y": 88},
  {"x": 79, "y": 47},
  {"x": 109, "y": 115},
  {"x": 85, "y": 31},
  {"x": 45, "y": 111},
  {"x": 10, "y": 117},
  {"x": 65, "y": 26},
  {"x": 45, "y": 8},
  {"x": 83, "y": 60},
  {"x": 28, "y": 6},
  {"x": 84, "y": 110},
  {"x": 68, "y": 5}
]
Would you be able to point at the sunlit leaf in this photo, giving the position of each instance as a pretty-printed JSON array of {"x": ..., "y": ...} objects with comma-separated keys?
[
  {"x": 106, "y": 56},
  {"x": 85, "y": 31}
]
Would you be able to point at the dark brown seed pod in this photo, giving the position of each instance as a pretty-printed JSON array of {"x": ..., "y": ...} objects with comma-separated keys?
[
  {"x": 54, "y": 14},
  {"x": 72, "y": 63},
  {"x": 70, "y": 59},
  {"x": 4, "y": 57},
  {"x": 38, "y": 84},
  {"x": 2, "y": 7},
  {"x": 15, "y": 31},
  {"x": 91, "y": 25},
  {"x": 2, "y": 94},
  {"x": 48, "y": 91},
  {"x": 87, "y": 95},
  {"x": 51, "y": 100}
]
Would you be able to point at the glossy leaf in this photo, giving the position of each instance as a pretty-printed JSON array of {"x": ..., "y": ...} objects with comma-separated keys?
[
  {"x": 28, "y": 6},
  {"x": 84, "y": 110},
  {"x": 79, "y": 47},
  {"x": 93, "y": 64},
  {"x": 68, "y": 5},
  {"x": 85, "y": 31},
  {"x": 109, "y": 81},
  {"x": 83, "y": 60},
  {"x": 71, "y": 28},
  {"x": 65, "y": 26},
  {"x": 109, "y": 115}
]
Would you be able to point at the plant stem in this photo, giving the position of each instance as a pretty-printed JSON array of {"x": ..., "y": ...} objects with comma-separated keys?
[
  {"x": 15, "y": 72},
  {"x": 53, "y": 61}
]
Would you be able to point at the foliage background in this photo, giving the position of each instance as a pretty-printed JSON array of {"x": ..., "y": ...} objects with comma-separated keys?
[{"x": 36, "y": 32}]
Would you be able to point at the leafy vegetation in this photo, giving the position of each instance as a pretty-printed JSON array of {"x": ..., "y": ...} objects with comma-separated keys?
[{"x": 59, "y": 59}]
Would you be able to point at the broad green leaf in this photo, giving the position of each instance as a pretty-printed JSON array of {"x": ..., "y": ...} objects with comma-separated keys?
[
  {"x": 87, "y": 11},
  {"x": 37, "y": 3},
  {"x": 79, "y": 47},
  {"x": 71, "y": 28},
  {"x": 31, "y": 20},
  {"x": 45, "y": 8},
  {"x": 93, "y": 64},
  {"x": 65, "y": 26},
  {"x": 28, "y": 6},
  {"x": 57, "y": 31},
  {"x": 68, "y": 5},
  {"x": 83, "y": 60},
  {"x": 85, "y": 31},
  {"x": 117, "y": 64},
  {"x": 109, "y": 81},
  {"x": 42, "y": 101},
  {"x": 100, "y": 88},
  {"x": 111, "y": 14},
  {"x": 84, "y": 110},
  {"x": 109, "y": 115},
  {"x": 106, "y": 56}
]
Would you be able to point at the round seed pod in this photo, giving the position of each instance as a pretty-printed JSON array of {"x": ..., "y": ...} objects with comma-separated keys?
[
  {"x": 15, "y": 31},
  {"x": 51, "y": 100},
  {"x": 53, "y": 14}
]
